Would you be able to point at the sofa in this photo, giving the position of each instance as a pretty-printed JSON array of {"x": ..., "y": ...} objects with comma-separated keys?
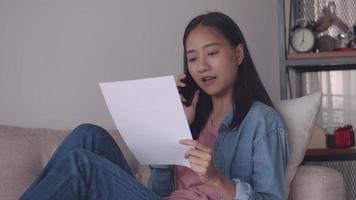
[{"x": 25, "y": 151}]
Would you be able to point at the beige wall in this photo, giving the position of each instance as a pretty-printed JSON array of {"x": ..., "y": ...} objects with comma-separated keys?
[{"x": 54, "y": 53}]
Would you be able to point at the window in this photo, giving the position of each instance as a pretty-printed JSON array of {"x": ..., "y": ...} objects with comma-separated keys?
[{"x": 338, "y": 96}]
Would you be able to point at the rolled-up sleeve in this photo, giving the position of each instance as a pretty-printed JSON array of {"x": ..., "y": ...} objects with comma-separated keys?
[{"x": 243, "y": 190}]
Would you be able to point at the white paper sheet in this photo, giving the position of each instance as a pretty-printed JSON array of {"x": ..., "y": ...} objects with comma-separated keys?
[{"x": 150, "y": 117}]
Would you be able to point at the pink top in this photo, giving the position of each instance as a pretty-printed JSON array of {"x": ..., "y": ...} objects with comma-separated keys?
[{"x": 188, "y": 184}]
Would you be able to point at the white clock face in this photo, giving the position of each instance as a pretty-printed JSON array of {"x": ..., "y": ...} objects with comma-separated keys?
[{"x": 302, "y": 40}]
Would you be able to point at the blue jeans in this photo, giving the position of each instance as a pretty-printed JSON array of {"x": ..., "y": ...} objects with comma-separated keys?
[{"x": 88, "y": 165}]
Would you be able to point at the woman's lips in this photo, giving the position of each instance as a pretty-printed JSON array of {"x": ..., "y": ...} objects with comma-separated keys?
[{"x": 208, "y": 80}]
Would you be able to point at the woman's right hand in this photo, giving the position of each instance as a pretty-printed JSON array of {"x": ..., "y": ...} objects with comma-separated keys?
[{"x": 189, "y": 110}]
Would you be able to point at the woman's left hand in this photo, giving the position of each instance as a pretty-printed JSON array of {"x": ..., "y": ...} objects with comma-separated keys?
[{"x": 200, "y": 158}]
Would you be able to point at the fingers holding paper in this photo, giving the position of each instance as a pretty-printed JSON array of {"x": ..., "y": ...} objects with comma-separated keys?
[{"x": 200, "y": 158}]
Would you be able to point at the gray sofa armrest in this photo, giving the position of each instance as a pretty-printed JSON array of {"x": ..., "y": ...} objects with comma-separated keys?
[{"x": 317, "y": 182}]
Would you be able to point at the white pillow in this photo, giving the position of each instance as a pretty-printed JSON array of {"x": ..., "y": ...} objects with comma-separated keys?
[{"x": 299, "y": 116}]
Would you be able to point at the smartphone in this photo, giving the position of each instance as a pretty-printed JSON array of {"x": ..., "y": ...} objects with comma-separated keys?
[{"x": 188, "y": 91}]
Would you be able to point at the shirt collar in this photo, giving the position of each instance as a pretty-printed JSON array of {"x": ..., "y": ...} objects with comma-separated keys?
[{"x": 227, "y": 119}]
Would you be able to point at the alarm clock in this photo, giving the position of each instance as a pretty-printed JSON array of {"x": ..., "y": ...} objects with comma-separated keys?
[{"x": 302, "y": 37}]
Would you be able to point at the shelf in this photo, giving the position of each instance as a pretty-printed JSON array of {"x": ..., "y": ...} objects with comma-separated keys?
[
  {"x": 330, "y": 54},
  {"x": 335, "y": 58},
  {"x": 327, "y": 154}
]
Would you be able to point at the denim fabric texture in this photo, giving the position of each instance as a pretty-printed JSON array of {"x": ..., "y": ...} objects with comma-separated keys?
[
  {"x": 87, "y": 165},
  {"x": 253, "y": 155}
]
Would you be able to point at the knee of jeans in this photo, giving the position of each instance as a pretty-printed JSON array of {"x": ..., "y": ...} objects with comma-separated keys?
[
  {"x": 89, "y": 130},
  {"x": 77, "y": 161},
  {"x": 78, "y": 156}
]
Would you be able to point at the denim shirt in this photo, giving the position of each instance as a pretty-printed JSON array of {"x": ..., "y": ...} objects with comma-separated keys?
[{"x": 253, "y": 155}]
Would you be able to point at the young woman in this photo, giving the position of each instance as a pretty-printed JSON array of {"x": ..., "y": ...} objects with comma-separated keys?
[{"x": 240, "y": 148}]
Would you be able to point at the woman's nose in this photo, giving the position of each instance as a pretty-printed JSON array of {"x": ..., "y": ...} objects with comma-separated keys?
[{"x": 203, "y": 65}]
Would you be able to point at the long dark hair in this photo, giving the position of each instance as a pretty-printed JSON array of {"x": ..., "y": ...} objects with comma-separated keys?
[{"x": 248, "y": 86}]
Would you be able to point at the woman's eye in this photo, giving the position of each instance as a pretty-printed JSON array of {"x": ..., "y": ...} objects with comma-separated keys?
[
  {"x": 213, "y": 53},
  {"x": 191, "y": 59}
]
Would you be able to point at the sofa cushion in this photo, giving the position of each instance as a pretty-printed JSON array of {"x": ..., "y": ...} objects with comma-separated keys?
[
  {"x": 317, "y": 182},
  {"x": 23, "y": 154},
  {"x": 25, "y": 151},
  {"x": 299, "y": 116}
]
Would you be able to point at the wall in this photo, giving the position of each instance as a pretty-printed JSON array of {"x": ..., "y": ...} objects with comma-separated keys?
[{"x": 54, "y": 53}]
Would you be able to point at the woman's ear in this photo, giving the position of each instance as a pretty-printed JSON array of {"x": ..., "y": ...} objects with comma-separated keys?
[{"x": 239, "y": 50}]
